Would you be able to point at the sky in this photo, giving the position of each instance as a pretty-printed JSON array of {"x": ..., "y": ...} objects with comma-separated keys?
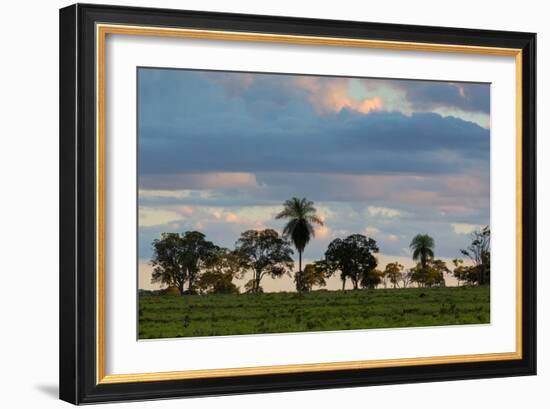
[{"x": 220, "y": 152}]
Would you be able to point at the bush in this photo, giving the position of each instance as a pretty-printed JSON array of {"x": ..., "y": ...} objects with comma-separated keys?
[{"x": 172, "y": 291}]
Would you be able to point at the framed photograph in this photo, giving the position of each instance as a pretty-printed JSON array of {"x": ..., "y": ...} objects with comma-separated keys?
[{"x": 257, "y": 203}]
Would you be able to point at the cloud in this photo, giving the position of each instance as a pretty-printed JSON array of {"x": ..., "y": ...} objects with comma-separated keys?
[
  {"x": 158, "y": 194},
  {"x": 332, "y": 95},
  {"x": 427, "y": 95},
  {"x": 185, "y": 210},
  {"x": 197, "y": 181},
  {"x": 465, "y": 228},
  {"x": 383, "y": 212},
  {"x": 344, "y": 143},
  {"x": 232, "y": 218},
  {"x": 157, "y": 216},
  {"x": 323, "y": 232},
  {"x": 371, "y": 231},
  {"x": 270, "y": 122},
  {"x": 234, "y": 84},
  {"x": 220, "y": 152}
]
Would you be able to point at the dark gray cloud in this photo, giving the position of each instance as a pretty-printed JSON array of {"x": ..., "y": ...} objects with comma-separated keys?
[
  {"x": 194, "y": 125},
  {"x": 425, "y": 95}
]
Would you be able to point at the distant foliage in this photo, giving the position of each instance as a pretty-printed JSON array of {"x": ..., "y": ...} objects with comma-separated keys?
[
  {"x": 394, "y": 273},
  {"x": 422, "y": 247},
  {"x": 220, "y": 270},
  {"x": 431, "y": 275},
  {"x": 301, "y": 216},
  {"x": 178, "y": 259},
  {"x": 264, "y": 253},
  {"x": 314, "y": 275},
  {"x": 188, "y": 263},
  {"x": 479, "y": 252},
  {"x": 354, "y": 258}
]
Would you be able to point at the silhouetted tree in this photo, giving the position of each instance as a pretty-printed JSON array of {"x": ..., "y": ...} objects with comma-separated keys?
[
  {"x": 460, "y": 272},
  {"x": 406, "y": 279},
  {"x": 433, "y": 274},
  {"x": 301, "y": 216},
  {"x": 197, "y": 250},
  {"x": 266, "y": 254},
  {"x": 479, "y": 251},
  {"x": 179, "y": 258},
  {"x": 220, "y": 270},
  {"x": 354, "y": 258},
  {"x": 169, "y": 264},
  {"x": 422, "y": 247},
  {"x": 372, "y": 279},
  {"x": 314, "y": 274},
  {"x": 394, "y": 272}
]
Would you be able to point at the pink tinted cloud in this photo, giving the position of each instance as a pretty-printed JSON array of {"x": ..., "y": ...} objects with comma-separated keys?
[
  {"x": 232, "y": 218},
  {"x": 199, "y": 181},
  {"x": 325, "y": 94},
  {"x": 332, "y": 95},
  {"x": 322, "y": 232},
  {"x": 184, "y": 210}
]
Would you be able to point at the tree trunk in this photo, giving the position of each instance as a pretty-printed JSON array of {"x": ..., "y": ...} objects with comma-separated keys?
[
  {"x": 300, "y": 260},
  {"x": 343, "y": 284},
  {"x": 257, "y": 282}
]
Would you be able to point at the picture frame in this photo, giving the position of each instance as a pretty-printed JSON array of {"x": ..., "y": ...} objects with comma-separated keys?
[{"x": 83, "y": 252}]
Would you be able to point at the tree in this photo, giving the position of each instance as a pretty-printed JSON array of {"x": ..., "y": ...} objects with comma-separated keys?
[
  {"x": 179, "y": 258},
  {"x": 250, "y": 287},
  {"x": 406, "y": 279},
  {"x": 314, "y": 274},
  {"x": 460, "y": 272},
  {"x": 265, "y": 253},
  {"x": 301, "y": 216},
  {"x": 383, "y": 277},
  {"x": 479, "y": 251},
  {"x": 372, "y": 279},
  {"x": 168, "y": 261},
  {"x": 394, "y": 272},
  {"x": 433, "y": 274},
  {"x": 437, "y": 270},
  {"x": 197, "y": 251},
  {"x": 220, "y": 271},
  {"x": 422, "y": 247},
  {"x": 354, "y": 258}
]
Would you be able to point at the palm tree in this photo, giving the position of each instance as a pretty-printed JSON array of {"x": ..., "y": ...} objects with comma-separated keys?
[
  {"x": 422, "y": 247},
  {"x": 301, "y": 215}
]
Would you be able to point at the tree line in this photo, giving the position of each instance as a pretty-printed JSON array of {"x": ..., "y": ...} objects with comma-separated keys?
[{"x": 188, "y": 263}]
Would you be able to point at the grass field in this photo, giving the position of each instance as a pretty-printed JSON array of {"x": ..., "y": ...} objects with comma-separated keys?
[{"x": 207, "y": 315}]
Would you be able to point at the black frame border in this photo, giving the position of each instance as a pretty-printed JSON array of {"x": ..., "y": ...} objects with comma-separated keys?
[{"x": 78, "y": 211}]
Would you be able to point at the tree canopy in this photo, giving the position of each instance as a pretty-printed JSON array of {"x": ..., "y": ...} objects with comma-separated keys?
[
  {"x": 479, "y": 252},
  {"x": 220, "y": 271},
  {"x": 394, "y": 273},
  {"x": 301, "y": 216},
  {"x": 354, "y": 258},
  {"x": 190, "y": 259},
  {"x": 178, "y": 259},
  {"x": 265, "y": 253},
  {"x": 433, "y": 274},
  {"x": 422, "y": 247},
  {"x": 314, "y": 274}
]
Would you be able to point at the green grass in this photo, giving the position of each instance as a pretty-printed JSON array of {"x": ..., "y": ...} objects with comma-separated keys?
[{"x": 208, "y": 315}]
